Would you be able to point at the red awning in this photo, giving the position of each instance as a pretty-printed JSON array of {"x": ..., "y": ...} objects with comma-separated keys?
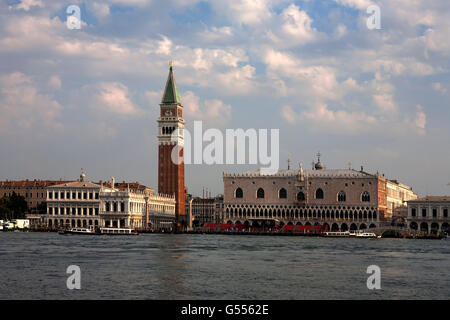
[
  {"x": 225, "y": 226},
  {"x": 289, "y": 227}
]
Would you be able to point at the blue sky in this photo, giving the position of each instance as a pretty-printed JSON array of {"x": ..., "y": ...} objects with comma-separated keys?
[{"x": 88, "y": 98}]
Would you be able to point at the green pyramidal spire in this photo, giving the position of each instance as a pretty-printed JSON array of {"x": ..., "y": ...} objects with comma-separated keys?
[{"x": 171, "y": 94}]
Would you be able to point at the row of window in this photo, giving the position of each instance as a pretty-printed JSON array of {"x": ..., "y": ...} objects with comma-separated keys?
[
  {"x": 75, "y": 195},
  {"x": 114, "y": 207},
  {"x": 30, "y": 195},
  {"x": 302, "y": 214},
  {"x": 424, "y": 212},
  {"x": 73, "y": 211},
  {"x": 319, "y": 194}
]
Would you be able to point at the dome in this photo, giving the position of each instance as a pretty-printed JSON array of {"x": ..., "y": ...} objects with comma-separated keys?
[{"x": 318, "y": 164}]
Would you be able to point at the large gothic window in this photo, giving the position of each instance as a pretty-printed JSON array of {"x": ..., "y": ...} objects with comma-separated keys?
[
  {"x": 260, "y": 193},
  {"x": 239, "y": 193},
  {"x": 283, "y": 193},
  {"x": 319, "y": 194},
  {"x": 342, "y": 196},
  {"x": 300, "y": 196},
  {"x": 365, "y": 197}
]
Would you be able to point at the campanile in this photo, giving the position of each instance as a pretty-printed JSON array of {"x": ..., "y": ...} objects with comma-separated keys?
[{"x": 170, "y": 140}]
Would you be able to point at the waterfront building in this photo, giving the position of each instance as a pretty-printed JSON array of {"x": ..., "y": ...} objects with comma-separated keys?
[
  {"x": 34, "y": 192},
  {"x": 82, "y": 203},
  {"x": 73, "y": 204},
  {"x": 218, "y": 208},
  {"x": 161, "y": 212},
  {"x": 170, "y": 136},
  {"x": 342, "y": 199},
  {"x": 397, "y": 195},
  {"x": 202, "y": 211},
  {"x": 429, "y": 214}
]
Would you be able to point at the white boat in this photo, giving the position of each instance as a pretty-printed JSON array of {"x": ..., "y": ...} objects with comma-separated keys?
[
  {"x": 118, "y": 231},
  {"x": 88, "y": 231},
  {"x": 339, "y": 234},
  {"x": 366, "y": 235}
]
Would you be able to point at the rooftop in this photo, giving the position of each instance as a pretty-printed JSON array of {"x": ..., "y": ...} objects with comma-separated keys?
[
  {"x": 171, "y": 94},
  {"x": 77, "y": 184},
  {"x": 31, "y": 183},
  {"x": 323, "y": 173},
  {"x": 432, "y": 199}
]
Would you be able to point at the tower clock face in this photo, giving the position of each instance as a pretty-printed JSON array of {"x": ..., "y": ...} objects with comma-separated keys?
[{"x": 168, "y": 113}]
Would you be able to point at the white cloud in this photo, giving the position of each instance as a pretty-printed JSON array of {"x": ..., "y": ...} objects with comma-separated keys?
[
  {"x": 23, "y": 107},
  {"x": 316, "y": 81},
  {"x": 250, "y": 12},
  {"x": 437, "y": 86},
  {"x": 421, "y": 119},
  {"x": 357, "y": 4},
  {"x": 114, "y": 97},
  {"x": 54, "y": 82},
  {"x": 385, "y": 102},
  {"x": 321, "y": 118},
  {"x": 214, "y": 112},
  {"x": 216, "y": 34},
  {"x": 27, "y": 4},
  {"x": 164, "y": 46},
  {"x": 297, "y": 24}
]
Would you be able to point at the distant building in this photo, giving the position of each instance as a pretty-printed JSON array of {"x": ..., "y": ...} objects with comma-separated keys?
[
  {"x": 73, "y": 204},
  {"x": 202, "y": 211},
  {"x": 429, "y": 214},
  {"x": 397, "y": 195},
  {"x": 218, "y": 208},
  {"x": 161, "y": 212},
  {"x": 82, "y": 203},
  {"x": 342, "y": 199},
  {"x": 34, "y": 191}
]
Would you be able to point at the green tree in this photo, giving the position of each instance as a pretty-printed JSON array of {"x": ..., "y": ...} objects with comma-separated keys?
[{"x": 13, "y": 207}]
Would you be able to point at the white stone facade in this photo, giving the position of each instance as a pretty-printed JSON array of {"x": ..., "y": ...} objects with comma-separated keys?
[
  {"x": 73, "y": 204},
  {"x": 84, "y": 204},
  {"x": 429, "y": 214}
]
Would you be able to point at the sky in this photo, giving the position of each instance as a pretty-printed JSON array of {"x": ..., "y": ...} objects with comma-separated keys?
[{"x": 89, "y": 97}]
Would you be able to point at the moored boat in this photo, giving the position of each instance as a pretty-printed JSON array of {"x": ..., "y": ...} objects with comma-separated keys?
[
  {"x": 366, "y": 235},
  {"x": 83, "y": 231},
  {"x": 118, "y": 231},
  {"x": 338, "y": 234}
]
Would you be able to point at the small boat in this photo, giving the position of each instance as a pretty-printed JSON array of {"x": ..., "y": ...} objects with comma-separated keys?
[
  {"x": 366, "y": 235},
  {"x": 118, "y": 231},
  {"x": 88, "y": 231},
  {"x": 337, "y": 234}
]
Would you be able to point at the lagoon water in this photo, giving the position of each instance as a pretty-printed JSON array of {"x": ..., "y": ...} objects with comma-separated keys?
[{"x": 163, "y": 266}]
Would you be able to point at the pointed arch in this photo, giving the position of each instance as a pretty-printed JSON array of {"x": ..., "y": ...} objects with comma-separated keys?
[
  {"x": 319, "y": 193},
  {"x": 365, "y": 196},
  {"x": 260, "y": 193}
]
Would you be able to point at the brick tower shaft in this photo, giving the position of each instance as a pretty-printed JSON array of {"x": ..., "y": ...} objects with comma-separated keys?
[{"x": 170, "y": 144}]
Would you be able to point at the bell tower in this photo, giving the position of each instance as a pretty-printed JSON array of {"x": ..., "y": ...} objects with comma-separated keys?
[{"x": 170, "y": 139}]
